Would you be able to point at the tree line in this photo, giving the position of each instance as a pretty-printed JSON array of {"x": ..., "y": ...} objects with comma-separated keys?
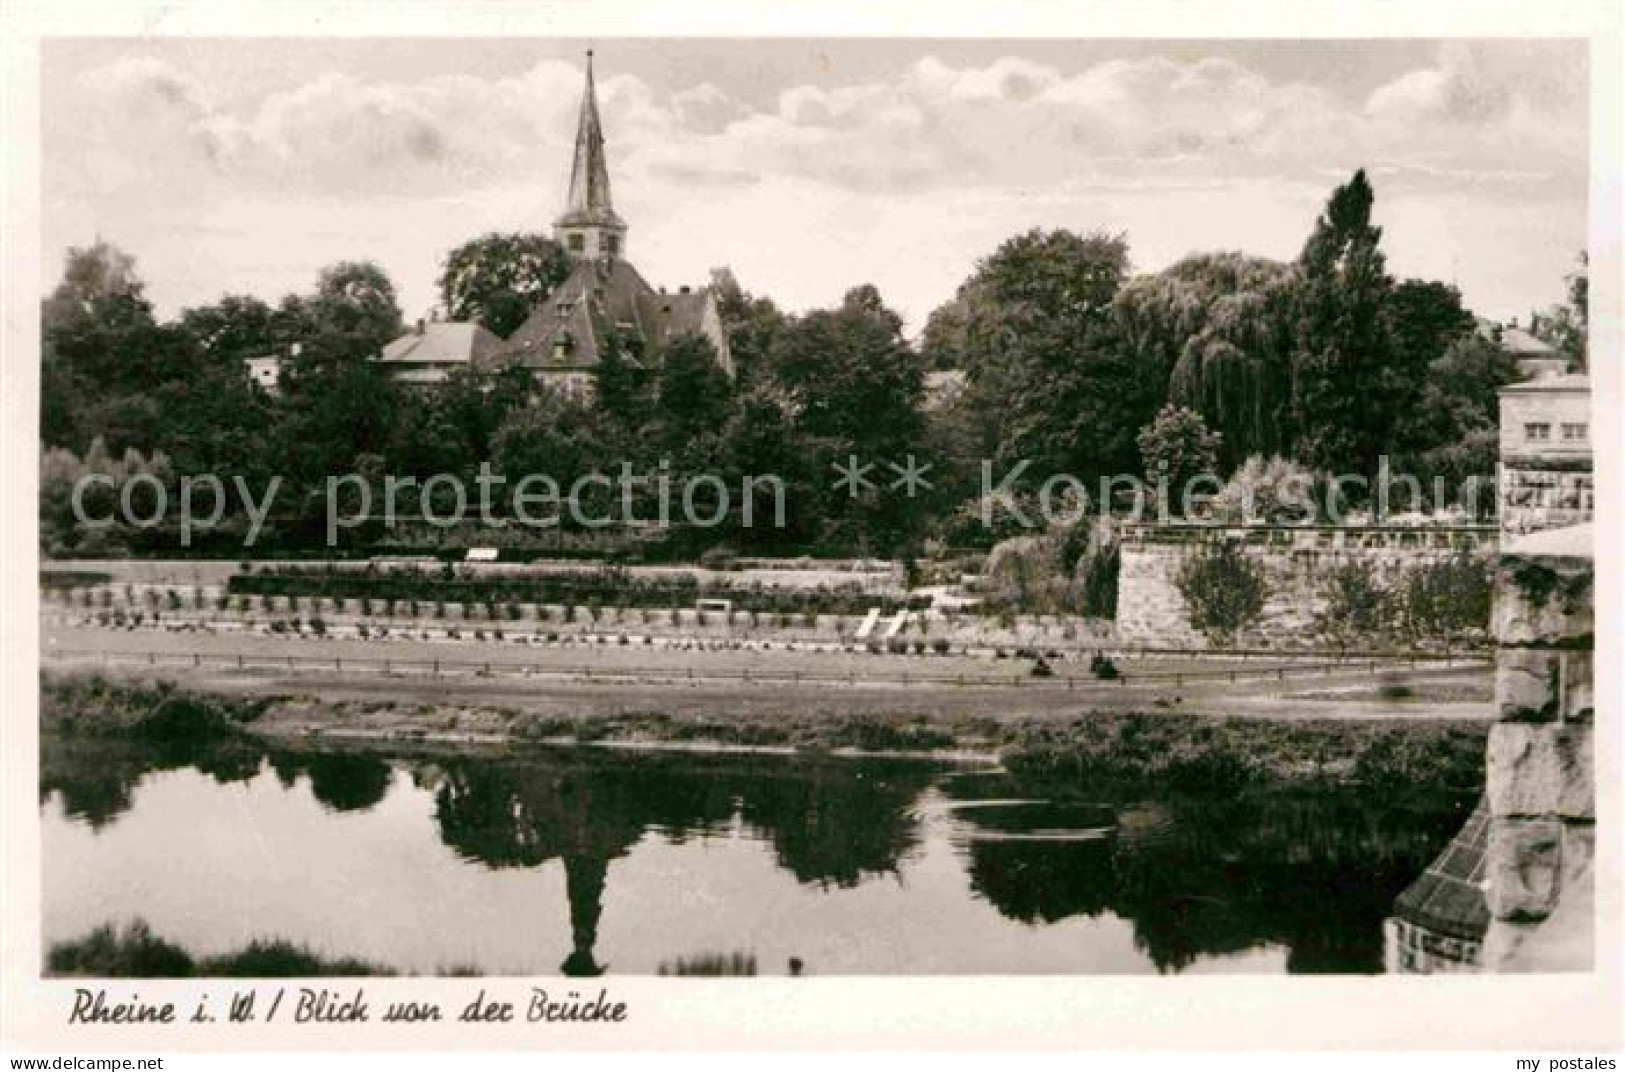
[{"x": 1068, "y": 361}]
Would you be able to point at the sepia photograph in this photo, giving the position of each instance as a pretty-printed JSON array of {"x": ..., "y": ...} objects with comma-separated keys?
[{"x": 587, "y": 508}]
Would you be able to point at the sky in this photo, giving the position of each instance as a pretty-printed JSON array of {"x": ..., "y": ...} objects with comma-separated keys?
[{"x": 810, "y": 166}]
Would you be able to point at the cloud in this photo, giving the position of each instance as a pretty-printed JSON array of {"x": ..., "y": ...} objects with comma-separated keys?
[
  {"x": 904, "y": 179},
  {"x": 1008, "y": 123}
]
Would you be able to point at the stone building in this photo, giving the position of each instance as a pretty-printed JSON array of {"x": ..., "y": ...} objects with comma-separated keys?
[
  {"x": 1546, "y": 455},
  {"x": 604, "y": 305}
]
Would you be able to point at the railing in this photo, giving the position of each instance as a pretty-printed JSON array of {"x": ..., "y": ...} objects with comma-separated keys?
[{"x": 1306, "y": 537}]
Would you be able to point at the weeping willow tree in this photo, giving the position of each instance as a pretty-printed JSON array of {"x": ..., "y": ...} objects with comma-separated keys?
[{"x": 1217, "y": 326}]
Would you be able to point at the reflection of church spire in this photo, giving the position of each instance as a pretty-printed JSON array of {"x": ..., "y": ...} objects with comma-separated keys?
[{"x": 584, "y": 885}]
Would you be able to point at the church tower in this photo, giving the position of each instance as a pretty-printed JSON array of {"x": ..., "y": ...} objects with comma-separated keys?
[{"x": 589, "y": 229}]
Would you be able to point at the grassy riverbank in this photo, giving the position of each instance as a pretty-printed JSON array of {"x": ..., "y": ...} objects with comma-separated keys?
[
  {"x": 135, "y": 952},
  {"x": 1161, "y": 748}
]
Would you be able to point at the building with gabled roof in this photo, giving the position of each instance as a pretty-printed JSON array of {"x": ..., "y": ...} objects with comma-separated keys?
[
  {"x": 604, "y": 301},
  {"x": 430, "y": 352}
]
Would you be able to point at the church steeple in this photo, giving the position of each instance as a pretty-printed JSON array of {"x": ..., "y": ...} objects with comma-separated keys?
[{"x": 589, "y": 227}]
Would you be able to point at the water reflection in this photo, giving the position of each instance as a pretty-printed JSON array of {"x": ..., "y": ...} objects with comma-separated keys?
[
  {"x": 1305, "y": 870},
  {"x": 874, "y": 849}
]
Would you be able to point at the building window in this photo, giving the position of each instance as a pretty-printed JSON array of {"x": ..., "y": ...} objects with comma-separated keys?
[
  {"x": 612, "y": 245},
  {"x": 1575, "y": 432},
  {"x": 578, "y": 242},
  {"x": 1537, "y": 432}
]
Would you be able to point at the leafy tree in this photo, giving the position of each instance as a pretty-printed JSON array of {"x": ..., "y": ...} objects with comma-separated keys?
[
  {"x": 751, "y": 323},
  {"x": 1459, "y": 393},
  {"x": 556, "y": 435},
  {"x": 1566, "y": 326},
  {"x": 354, "y": 308},
  {"x": 621, "y": 381},
  {"x": 692, "y": 393},
  {"x": 1344, "y": 379},
  {"x": 497, "y": 279},
  {"x": 1175, "y": 449},
  {"x": 852, "y": 387},
  {"x": 1216, "y": 327},
  {"x": 100, "y": 340},
  {"x": 1045, "y": 368},
  {"x": 760, "y": 441},
  {"x": 235, "y": 327}
]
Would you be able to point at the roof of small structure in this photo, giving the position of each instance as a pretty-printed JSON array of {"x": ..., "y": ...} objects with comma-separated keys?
[
  {"x": 1572, "y": 382},
  {"x": 1520, "y": 343},
  {"x": 1516, "y": 341},
  {"x": 1449, "y": 896},
  {"x": 443, "y": 342}
]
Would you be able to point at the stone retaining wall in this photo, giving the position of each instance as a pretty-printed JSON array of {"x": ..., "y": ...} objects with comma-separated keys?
[{"x": 1297, "y": 561}]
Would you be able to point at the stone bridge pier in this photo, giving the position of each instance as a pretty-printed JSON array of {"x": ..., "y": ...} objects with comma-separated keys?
[{"x": 1539, "y": 779}]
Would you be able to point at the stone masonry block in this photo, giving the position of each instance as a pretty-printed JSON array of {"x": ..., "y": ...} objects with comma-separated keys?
[
  {"x": 1524, "y": 868},
  {"x": 1543, "y": 600},
  {"x": 1540, "y": 770},
  {"x": 1527, "y": 684}
]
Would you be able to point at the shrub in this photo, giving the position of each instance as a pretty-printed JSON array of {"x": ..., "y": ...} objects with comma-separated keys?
[
  {"x": 1356, "y": 603},
  {"x": 1275, "y": 491},
  {"x": 1098, "y": 577},
  {"x": 1176, "y": 447},
  {"x": 719, "y": 558},
  {"x": 132, "y": 953},
  {"x": 1445, "y": 599},
  {"x": 1223, "y": 590}
]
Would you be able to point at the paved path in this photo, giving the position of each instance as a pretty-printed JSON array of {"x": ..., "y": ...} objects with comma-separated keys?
[{"x": 610, "y": 678}]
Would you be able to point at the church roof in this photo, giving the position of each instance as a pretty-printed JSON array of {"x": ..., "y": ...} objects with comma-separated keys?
[
  {"x": 442, "y": 342},
  {"x": 589, "y": 201},
  {"x": 599, "y": 298}
]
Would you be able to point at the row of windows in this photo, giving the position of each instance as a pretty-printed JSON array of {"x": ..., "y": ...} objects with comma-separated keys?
[
  {"x": 612, "y": 244},
  {"x": 1541, "y": 431}
]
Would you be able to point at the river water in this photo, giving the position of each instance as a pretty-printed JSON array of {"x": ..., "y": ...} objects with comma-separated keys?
[{"x": 586, "y": 860}]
